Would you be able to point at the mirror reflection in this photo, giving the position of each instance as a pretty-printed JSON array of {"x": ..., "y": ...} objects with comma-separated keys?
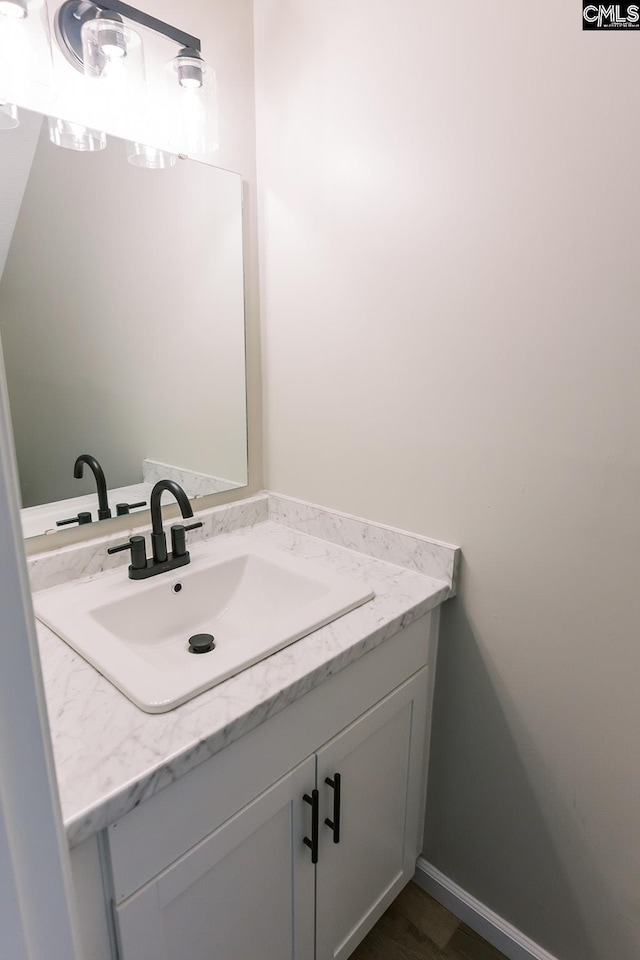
[{"x": 122, "y": 326}]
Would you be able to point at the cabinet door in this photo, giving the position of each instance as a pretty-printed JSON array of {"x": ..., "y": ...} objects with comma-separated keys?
[
  {"x": 380, "y": 763},
  {"x": 246, "y": 892}
]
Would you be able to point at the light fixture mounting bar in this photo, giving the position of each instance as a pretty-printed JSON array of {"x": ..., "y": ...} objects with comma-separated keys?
[{"x": 145, "y": 20}]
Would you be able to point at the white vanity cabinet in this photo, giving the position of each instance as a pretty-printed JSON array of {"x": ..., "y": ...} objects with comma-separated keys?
[
  {"x": 218, "y": 866},
  {"x": 246, "y": 891},
  {"x": 380, "y": 771}
]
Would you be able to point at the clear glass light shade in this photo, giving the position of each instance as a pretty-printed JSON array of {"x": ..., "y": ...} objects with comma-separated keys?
[
  {"x": 190, "y": 71},
  {"x": 73, "y": 136},
  {"x": 194, "y": 106},
  {"x": 8, "y": 116},
  {"x": 114, "y": 60},
  {"x": 109, "y": 48},
  {"x": 151, "y": 158},
  {"x": 26, "y": 70}
]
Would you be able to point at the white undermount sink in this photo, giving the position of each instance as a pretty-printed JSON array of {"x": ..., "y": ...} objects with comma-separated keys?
[{"x": 252, "y": 598}]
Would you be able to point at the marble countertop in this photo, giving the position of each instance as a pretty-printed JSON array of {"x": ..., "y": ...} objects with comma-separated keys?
[{"x": 110, "y": 755}]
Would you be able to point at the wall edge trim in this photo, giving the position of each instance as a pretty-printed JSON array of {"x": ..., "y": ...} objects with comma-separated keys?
[{"x": 495, "y": 929}]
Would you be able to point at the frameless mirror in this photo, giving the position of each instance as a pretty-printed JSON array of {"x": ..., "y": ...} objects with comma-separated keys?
[{"x": 121, "y": 322}]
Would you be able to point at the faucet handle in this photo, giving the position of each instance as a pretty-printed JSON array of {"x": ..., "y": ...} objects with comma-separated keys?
[
  {"x": 122, "y": 509},
  {"x": 178, "y": 537},
  {"x": 138, "y": 552},
  {"x": 82, "y": 518}
]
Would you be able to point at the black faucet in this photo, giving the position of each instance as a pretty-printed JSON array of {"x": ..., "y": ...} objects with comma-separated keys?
[
  {"x": 158, "y": 539},
  {"x": 104, "y": 513},
  {"x": 140, "y": 567}
]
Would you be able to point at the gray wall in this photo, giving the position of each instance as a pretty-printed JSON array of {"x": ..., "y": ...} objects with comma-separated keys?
[{"x": 449, "y": 214}]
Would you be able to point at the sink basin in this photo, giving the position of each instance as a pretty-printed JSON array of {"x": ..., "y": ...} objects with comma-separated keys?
[{"x": 252, "y": 598}]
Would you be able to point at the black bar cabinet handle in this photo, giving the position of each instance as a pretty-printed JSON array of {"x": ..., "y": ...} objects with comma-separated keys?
[
  {"x": 314, "y": 800},
  {"x": 335, "y": 823}
]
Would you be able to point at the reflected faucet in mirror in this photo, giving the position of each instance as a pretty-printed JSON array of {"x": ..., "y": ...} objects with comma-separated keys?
[
  {"x": 104, "y": 511},
  {"x": 140, "y": 567}
]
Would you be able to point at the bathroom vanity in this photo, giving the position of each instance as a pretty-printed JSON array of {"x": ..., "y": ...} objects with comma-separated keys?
[{"x": 279, "y": 813}]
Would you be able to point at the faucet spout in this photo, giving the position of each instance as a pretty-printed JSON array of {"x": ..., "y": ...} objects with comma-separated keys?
[
  {"x": 158, "y": 539},
  {"x": 104, "y": 513}
]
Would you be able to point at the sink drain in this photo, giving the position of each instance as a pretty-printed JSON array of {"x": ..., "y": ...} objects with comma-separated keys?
[{"x": 201, "y": 643}]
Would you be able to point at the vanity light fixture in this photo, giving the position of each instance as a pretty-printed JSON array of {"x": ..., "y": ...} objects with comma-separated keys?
[
  {"x": 100, "y": 39},
  {"x": 73, "y": 16},
  {"x": 95, "y": 36}
]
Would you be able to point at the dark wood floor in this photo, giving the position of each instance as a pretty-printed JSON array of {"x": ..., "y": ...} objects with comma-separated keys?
[{"x": 417, "y": 927}]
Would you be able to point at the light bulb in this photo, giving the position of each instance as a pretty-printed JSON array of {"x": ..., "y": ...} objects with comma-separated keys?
[
  {"x": 108, "y": 46},
  {"x": 190, "y": 77},
  {"x": 14, "y": 9},
  {"x": 112, "y": 40},
  {"x": 190, "y": 68}
]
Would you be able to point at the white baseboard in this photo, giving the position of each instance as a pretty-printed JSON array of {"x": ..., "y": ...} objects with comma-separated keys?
[{"x": 500, "y": 934}]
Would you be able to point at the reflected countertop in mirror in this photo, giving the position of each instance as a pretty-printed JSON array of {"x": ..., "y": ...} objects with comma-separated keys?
[{"x": 121, "y": 321}]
